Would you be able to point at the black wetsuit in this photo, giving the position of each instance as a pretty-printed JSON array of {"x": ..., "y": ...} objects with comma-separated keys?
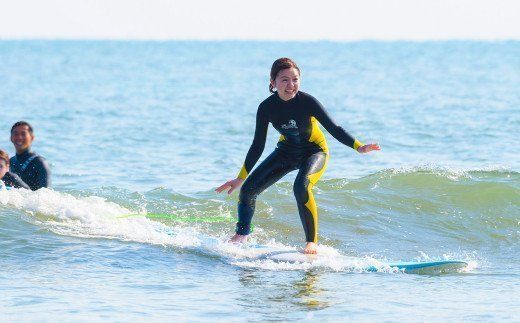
[
  {"x": 302, "y": 146},
  {"x": 32, "y": 169},
  {"x": 13, "y": 180}
]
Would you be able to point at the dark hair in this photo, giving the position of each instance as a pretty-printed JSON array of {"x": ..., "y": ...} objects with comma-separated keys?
[
  {"x": 22, "y": 123},
  {"x": 4, "y": 156},
  {"x": 278, "y": 65}
]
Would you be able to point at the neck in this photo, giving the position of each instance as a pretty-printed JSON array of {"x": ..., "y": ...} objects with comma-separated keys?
[
  {"x": 22, "y": 151},
  {"x": 284, "y": 100}
]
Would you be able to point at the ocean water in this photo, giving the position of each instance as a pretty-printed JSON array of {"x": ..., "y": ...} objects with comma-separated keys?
[{"x": 154, "y": 127}]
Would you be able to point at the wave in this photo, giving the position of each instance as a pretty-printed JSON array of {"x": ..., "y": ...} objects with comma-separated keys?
[
  {"x": 95, "y": 217},
  {"x": 417, "y": 212},
  {"x": 473, "y": 206}
]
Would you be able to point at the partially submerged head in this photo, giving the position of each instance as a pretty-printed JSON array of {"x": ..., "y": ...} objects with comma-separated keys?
[
  {"x": 285, "y": 78},
  {"x": 4, "y": 163},
  {"x": 22, "y": 136}
]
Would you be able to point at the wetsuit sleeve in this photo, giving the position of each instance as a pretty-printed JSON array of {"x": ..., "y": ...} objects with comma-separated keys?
[
  {"x": 13, "y": 180},
  {"x": 44, "y": 174},
  {"x": 257, "y": 147},
  {"x": 336, "y": 131}
]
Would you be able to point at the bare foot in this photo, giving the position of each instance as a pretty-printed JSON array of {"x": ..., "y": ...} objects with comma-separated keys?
[
  {"x": 311, "y": 248},
  {"x": 237, "y": 238}
]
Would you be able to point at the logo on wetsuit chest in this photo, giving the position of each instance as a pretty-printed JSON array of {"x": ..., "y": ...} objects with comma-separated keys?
[{"x": 290, "y": 125}]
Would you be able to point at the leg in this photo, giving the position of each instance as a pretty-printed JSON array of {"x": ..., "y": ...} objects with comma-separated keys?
[
  {"x": 310, "y": 172},
  {"x": 266, "y": 174}
]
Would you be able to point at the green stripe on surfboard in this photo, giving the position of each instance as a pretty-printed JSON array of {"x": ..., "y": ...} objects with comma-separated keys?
[{"x": 173, "y": 217}]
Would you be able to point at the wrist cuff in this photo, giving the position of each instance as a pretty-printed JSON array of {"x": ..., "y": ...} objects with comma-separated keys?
[
  {"x": 243, "y": 172},
  {"x": 357, "y": 144}
]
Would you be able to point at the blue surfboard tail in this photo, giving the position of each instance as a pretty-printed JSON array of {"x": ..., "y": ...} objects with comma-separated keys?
[
  {"x": 431, "y": 268},
  {"x": 420, "y": 268}
]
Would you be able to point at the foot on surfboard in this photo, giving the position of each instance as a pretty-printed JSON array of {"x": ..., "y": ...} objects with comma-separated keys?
[
  {"x": 311, "y": 248},
  {"x": 237, "y": 238}
]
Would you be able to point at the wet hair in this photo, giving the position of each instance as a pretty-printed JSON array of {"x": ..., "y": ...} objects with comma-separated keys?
[
  {"x": 4, "y": 156},
  {"x": 22, "y": 123},
  {"x": 278, "y": 65}
]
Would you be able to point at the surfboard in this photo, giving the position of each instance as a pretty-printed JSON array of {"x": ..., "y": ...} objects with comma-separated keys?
[
  {"x": 430, "y": 267},
  {"x": 427, "y": 267},
  {"x": 281, "y": 254}
]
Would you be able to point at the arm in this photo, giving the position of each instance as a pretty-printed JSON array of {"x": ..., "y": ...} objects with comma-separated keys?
[
  {"x": 336, "y": 131},
  {"x": 258, "y": 145},
  {"x": 43, "y": 175},
  {"x": 254, "y": 153},
  {"x": 13, "y": 180}
]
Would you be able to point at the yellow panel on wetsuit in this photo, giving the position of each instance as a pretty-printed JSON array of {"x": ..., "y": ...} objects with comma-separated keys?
[
  {"x": 296, "y": 121},
  {"x": 317, "y": 137},
  {"x": 311, "y": 203}
]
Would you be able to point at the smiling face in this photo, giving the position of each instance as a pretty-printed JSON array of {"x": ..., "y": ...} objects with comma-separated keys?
[
  {"x": 22, "y": 138},
  {"x": 287, "y": 83}
]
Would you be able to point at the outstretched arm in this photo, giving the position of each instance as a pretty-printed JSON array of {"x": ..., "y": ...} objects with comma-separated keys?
[
  {"x": 338, "y": 132},
  {"x": 254, "y": 153},
  {"x": 258, "y": 145}
]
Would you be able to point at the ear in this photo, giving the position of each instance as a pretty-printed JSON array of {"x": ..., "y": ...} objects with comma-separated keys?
[
  {"x": 32, "y": 137},
  {"x": 273, "y": 84}
]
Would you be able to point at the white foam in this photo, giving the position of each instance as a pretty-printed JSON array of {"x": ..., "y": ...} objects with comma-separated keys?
[
  {"x": 324, "y": 261},
  {"x": 92, "y": 216},
  {"x": 95, "y": 217},
  {"x": 453, "y": 173}
]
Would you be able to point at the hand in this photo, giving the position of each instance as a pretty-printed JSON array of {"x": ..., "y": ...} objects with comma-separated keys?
[
  {"x": 368, "y": 148},
  {"x": 232, "y": 185}
]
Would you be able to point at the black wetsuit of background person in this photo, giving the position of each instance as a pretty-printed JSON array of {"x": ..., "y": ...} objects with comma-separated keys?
[
  {"x": 12, "y": 180},
  {"x": 32, "y": 169}
]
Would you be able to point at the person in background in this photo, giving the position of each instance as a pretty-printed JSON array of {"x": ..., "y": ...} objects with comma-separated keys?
[
  {"x": 4, "y": 167},
  {"x": 28, "y": 165},
  {"x": 7, "y": 178}
]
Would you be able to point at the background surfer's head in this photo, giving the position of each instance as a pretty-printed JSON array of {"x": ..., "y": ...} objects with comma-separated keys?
[
  {"x": 22, "y": 136},
  {"x": 4, "y": 163},
  {"x": 285, "y": 78}
]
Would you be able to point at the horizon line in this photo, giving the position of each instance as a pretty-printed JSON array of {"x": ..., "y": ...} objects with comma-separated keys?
[{"x": 330, "y": 40}]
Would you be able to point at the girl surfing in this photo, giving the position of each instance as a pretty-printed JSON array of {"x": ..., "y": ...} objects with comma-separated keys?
[{"x": 302, "y": 146}]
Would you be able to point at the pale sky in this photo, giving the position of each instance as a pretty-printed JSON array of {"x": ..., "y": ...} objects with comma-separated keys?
[{"x": 260, "y": 20}]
